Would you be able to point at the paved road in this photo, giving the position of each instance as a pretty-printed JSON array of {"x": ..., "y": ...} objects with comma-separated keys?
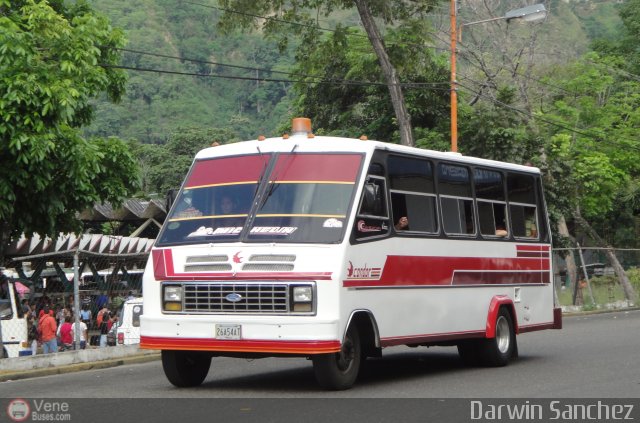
[{"x": 595, "y": 356}]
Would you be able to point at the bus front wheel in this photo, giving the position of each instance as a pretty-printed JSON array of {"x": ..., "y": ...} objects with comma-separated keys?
[
  {"x": 185, "y": 368},
  {"x": 339, "y": 371}
]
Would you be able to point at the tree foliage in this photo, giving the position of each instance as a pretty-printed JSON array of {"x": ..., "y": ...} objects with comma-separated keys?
[
  {"x": 192, "y": 87},
  {"x": 164, "y": 167},
  {"x": 594, "y": 152},
  {"x": 50, "y": 57},
  {"x": 273, "y": 14},
  {"x": 351, "y": 100}
]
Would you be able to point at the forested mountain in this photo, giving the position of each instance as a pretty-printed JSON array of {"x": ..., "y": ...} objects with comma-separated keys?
[
  {"x": 180, "y": 40},
  {"x": 190, "y": 92}
]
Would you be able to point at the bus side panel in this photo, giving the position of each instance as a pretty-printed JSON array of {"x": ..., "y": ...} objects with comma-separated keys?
[{"x": 443, "y": 294}]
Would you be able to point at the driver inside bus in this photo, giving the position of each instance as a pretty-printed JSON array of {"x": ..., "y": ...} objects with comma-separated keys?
[{"x": 228, "y": 207}]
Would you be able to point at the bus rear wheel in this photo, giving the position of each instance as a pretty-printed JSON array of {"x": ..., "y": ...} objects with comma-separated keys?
[
  {"x": 338, "y": 371},
  {"x": 185, "y": 368},
  {"x": 498, "y": 351}
]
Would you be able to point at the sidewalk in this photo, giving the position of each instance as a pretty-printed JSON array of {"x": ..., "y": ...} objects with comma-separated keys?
[{"x": 72, "y": 361}]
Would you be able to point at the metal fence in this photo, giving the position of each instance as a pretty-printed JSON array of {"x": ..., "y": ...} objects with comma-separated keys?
[{"x": 586, "y": 279}]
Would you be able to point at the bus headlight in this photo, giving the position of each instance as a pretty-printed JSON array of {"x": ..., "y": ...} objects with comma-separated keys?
[
  {"x": 302, "y": 299},
  {"x": 172, "y": 298}
]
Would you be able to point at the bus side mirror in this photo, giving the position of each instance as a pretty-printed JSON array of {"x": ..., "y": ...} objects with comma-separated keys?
[{"x": 371, "y": 202}]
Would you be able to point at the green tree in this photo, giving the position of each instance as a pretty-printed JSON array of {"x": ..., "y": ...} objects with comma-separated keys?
[
  {"x": 350, "y": 100},
  {"x": 594, "y": 153},
  {"x": 50, "y": 69},
  {"x": 300, "y": 11},
  {"x": 164, "y": 167}
]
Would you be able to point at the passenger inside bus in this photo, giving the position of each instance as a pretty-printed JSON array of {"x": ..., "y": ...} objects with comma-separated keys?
[
  {"x": 402, "y": 224},
  {"x": 186, "y": 208},
  {"x": 501, "y": 231}
]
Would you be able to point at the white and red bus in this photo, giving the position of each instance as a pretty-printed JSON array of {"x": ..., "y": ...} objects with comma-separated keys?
[{"x": 335, "y": 248}]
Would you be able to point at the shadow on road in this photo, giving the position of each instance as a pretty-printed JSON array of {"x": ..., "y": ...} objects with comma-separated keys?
[{"x": 392, "y": 367}]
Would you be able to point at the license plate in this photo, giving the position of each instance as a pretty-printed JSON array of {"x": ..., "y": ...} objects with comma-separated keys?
[{"x": 228, "y": 331}]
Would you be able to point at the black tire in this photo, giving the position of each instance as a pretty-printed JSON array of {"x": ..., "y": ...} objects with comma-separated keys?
[
  {"x": 498, "y": 351},
  {"x": 339, "y": 371},
  {"x": 185, "y": 368},
  {"x": 469, "y": 351}
]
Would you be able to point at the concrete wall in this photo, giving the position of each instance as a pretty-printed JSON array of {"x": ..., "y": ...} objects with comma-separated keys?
[{"x": 71, "y": 357}]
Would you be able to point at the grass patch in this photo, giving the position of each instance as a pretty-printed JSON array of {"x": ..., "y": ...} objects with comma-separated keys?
[{"x": 606, "y": 289}]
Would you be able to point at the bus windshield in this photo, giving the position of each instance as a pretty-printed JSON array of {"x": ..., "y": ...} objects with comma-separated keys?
[{"x": 286, "y": 197}]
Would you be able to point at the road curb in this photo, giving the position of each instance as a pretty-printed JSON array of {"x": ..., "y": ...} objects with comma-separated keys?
[
  {"x": 6, "y": 376},
  {"x": 591, "y": 312}
]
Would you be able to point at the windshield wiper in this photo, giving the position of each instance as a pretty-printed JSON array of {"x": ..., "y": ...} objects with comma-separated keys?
[
  {"x": 271, "y": 189},
  {"x": 264, "y": 169}
]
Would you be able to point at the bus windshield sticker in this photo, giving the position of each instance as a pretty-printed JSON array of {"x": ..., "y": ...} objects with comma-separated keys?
[
  {"x": 332, "y": 223},
  {"x": 273, "y": 230},
  {"x": 204, "y": 231}
]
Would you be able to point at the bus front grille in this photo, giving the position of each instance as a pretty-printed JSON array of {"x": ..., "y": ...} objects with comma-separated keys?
[{"x": 236, "y": 298}]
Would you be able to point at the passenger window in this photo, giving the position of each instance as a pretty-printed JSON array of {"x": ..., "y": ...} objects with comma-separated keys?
[
  {"x": 525, "y": 223},
  {"x": 522, "y": 205},
  {"x": 419, "y": 210},
  {"x": 492, "y": 207},
  {"x": 456, "y": 201},
  {"x": 5, "y": 309},
  {"x": 413, "y": 200},
  {"x": 136, "y": 313}
]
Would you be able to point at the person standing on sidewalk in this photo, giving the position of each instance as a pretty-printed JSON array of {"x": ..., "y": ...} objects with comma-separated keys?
[
  {"x": 104, "y": 329},
  {"x": 47, "y": 327},
  {"x": 83, "y": 333},
  {"x": 66, "y": 334}
]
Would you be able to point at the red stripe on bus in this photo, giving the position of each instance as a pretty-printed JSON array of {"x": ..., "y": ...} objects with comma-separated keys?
[
  {"x": 282, "y": 276},
  {"x": 532, "y": 247},
  {"x": 439, "y": 271},
  {"x": 228, "y": 170},
  {"x": 540, "y": 326},
  {"x": 427, "y": 338},
  {"x": 254, "y": 346},
  {"x": 533, "y": 254},
  {"x": 317, "y": 167},
  {"x": 163, "y": 270},
  {"x": 159, "y": 269},
  {"x": 499, "y": 278}
]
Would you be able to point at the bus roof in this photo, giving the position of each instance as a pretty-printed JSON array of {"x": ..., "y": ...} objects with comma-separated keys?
[{"x": 318, "y": 144}]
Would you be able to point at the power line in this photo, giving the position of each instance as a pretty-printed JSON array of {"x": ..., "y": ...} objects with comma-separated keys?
[
  {"x": 408, "y": 84},
  {"x": 185, "y": 59},
  {"x": 432, "y": 85},
  {"x": 268, "y": 18},
  {"x": 297, "y": 23}
]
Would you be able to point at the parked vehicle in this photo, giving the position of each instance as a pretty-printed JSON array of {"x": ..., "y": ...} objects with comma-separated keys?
[
  {"x": 128, "y": 329},
  {"x": 14, "y": 324}
]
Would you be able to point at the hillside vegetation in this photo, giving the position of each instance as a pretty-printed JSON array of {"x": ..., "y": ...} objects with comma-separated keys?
[{"x": 200, "y": 92}]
